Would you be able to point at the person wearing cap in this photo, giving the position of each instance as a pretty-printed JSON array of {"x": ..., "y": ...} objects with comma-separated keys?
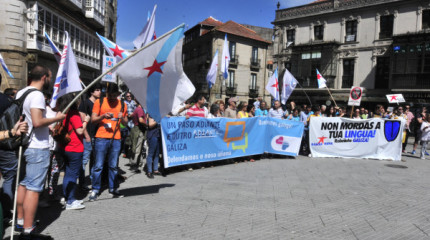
[{"x": 230, "y": 112}]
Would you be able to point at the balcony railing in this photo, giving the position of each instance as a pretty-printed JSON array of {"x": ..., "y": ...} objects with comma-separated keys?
[
  {"x": 253, "y": 91},
  {"x": 231, "y": 89},
  {"x": 255, "y": 63},
  {"x": 234, "y": 59}
]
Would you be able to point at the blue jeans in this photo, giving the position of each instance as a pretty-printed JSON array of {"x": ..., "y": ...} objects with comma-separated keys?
[
  {"x": 153, "y": 154},
  {"x": 37, "y": 164},
  {"x": 8, "y": 166},
  {"x": 88, "y": 148},
  {"x": 103, "y": 147},
  {"x": 73, "y": 165}
]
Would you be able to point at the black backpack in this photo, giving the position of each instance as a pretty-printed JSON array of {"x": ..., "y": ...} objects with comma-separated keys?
[{"x": 9, "y": 118}]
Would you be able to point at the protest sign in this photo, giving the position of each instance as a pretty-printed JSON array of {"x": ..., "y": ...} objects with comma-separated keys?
[
  {"x": 108, "y": 63},
  {"x": 355, "y": 96},
  {"x": 203, "y": 140},
  {"x": 356, "y": 138}
]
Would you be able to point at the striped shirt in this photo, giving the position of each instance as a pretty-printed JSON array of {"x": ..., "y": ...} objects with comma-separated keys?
[
  {"x": 195, "y": 111},
  {"x": 276, "y": 113}
]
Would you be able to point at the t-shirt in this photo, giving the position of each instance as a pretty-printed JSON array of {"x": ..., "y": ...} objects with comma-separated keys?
[
  {"x": 76, "y": 143},
  {"x": 108, "y": 126},
  {"x": 139, "y": 113},
  {"x": 276, "y": 113},
  {"x": 4, "y": 102},
  {"x": 40, "y": 136},
  {"x": 260, "y": 113},
  {"x": 87, "y": 108},
  {"x": 195, "y": 111},
  {"x": 230, "y": 113}
]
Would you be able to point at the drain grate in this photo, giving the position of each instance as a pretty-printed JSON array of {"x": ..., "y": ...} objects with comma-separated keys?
[{"x": 395, "y": 166}]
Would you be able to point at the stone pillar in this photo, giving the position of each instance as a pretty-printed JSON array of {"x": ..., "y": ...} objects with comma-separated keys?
[{"x": 13, "y": 46}]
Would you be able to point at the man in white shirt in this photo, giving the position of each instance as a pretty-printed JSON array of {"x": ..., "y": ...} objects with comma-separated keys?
[
  {"x": 37, "y": 153},
  {"x": 276, "y": 111}
]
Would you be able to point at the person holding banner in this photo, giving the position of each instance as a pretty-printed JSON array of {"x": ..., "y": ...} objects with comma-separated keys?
[
  {"x": 242, "y": 113},
  {"x": 230, "y": 112},
  {"x": 276, "y": 111},
  {"x": 398, "y": 114},
  {"x": 262, "y": 110},
  {"x": 425, "y": 137}
]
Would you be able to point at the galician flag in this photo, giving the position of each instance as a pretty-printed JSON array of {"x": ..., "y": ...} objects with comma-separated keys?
[
  {"x": 113, "y": 49},
  {"x": 289, "y": 83},
  {"x": 3, "y": 64},
  {"x": 225, "y": 60},
  {"x": 148, "y": 32},
  {"x": 67, "y": 79},
  {"x": 155, "y": 75},
  {"x": 55, "y": 50},
  {"x": 211, "y": 77},
  {"x": 273, "y": 85},
  {"x": 321, "y": 80}
]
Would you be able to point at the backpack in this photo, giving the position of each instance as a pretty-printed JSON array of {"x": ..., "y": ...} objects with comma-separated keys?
[{"x": 9, "y": 118}]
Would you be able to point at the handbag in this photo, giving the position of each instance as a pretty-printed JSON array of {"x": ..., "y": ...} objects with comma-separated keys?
[{"x": 60, "y": 133}]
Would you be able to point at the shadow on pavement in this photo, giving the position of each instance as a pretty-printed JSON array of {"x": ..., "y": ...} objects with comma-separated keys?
[{"x": 128, "y": 192}]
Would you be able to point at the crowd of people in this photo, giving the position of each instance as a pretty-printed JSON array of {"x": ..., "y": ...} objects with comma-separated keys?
[{"x": 99, "y": 128}]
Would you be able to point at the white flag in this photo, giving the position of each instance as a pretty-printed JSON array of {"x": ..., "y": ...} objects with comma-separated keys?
[
  {"x": 3, "y": 64},
  {"x": 67, "y": 79},
  {"x": 155, "y": 75},
  {"x": 211, "y": 77},
  {"x": 289, "y": 83},
  {"x": 273, "y": 85},
  {"x": 225, "y": 60},
  {"x": 147, "y": 33}
]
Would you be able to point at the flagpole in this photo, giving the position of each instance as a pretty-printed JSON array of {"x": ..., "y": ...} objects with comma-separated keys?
[
  {"x": 116, "y": 66},
  {"x": 310, "y": 102},
  {"x": 331, "y": 97}
]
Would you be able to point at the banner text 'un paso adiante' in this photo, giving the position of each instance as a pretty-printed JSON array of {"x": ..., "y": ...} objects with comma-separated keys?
[
  {"x": 202, "y": 140},
  {"x": 350, "y": 138}
]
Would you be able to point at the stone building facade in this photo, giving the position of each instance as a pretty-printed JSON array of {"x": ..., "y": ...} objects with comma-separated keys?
[
  {"x": 248, "y": 71},
  {"x": 381, "y": 45},
  {"x": 22, "y": 27}
]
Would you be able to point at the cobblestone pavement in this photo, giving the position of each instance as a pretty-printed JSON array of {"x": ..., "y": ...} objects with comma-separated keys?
[{"x": 302, "y": 198}]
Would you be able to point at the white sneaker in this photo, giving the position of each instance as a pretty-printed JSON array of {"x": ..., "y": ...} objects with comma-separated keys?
[{"x": 75, "y": 205}]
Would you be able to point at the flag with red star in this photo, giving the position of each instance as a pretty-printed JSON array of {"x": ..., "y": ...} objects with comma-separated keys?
[
  {"x": 155, "y": 75},
  {"x": 321, "y": 80},
  {"x": 67, "y": 79},
  {"x": 113, "y": 49},
  {"x": 273, "y": 85}
]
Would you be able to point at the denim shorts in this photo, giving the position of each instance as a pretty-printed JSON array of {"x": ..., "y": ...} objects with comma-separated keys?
[{"x": 37, "y": 163}]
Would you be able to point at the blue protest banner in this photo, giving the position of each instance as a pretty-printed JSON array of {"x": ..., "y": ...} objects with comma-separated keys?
[{"x": 202, "y": 140}]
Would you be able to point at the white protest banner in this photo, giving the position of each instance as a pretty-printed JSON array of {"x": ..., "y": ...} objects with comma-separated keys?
[
  {"x": 395, "y": 98},
  {"x": 355, "y": 96},
  {"x": 356, "y": 138},
  {"x": 108, "y": 63}
]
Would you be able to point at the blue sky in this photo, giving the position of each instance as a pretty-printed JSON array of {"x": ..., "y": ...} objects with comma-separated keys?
[{"x": 132, "y": 14}]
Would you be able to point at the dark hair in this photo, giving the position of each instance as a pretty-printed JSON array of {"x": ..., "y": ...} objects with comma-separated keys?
[
  {"x": 241, "y": 105},
  {"x": 199, "y": 97},
  {"x": 214, "y": 109},
  {"x": 249, "y": 108},
  {"x": 112, "y": 88},
  {"x": 37, "y": 73},
  {"x": 316, "y": 108},
  {"x": 64, "y": 100},
  {"x": 378, "y": 107},
  {"x": 9, "y": 92},
  {"x": 262, "y": 103},
  {"x": 94, "y": 87}
]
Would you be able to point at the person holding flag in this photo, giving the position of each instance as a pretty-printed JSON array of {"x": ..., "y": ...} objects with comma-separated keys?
[{"x": 322, "y": 83}]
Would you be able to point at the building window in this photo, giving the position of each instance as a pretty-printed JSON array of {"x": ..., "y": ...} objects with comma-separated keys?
[
  {"x": 110, "y": 30},
  {"x": 351, "y": 31},
  {"x": 319, "y": 32},
  {"x": 382, "y": 75},
  {"x": 254, "y": 54},
  {"x": 291, "y": 36},
  {"x": 230, "y": 80},
  {"x": 426, "y": 19},
  {"x": 232, "y": 49},
  {"x": 312, "y": 55},
  {"x": 253, "y": 85},
  {"x": 348, "y": 73},
  {"x": 386, "y": 26}
]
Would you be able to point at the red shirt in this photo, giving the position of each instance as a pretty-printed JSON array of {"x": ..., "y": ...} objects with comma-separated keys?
[
  {"x": 195, "y": 111},
  {"x": 76, "y": 143},
  {"x": 138, "y": 113}
]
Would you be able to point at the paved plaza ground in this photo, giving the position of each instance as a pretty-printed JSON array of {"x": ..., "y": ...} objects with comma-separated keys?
[{"x": 301, "y": 198}]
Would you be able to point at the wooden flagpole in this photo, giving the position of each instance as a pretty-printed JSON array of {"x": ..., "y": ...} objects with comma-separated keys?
[
  {"x": 332, "y": 97},
  {"x": 116, "y": 66}
]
